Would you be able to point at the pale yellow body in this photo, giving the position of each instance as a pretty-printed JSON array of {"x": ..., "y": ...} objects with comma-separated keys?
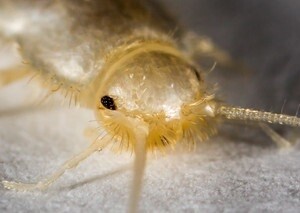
[
  {"x": 130, "y": 53},
  {"x": 71, "y": 41},
  {"x": 117, "y": 48}
]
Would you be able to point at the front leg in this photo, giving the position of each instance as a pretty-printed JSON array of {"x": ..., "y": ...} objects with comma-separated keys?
[
  {"x": 12, "y": 75},
  {"x": 69, "y": 164},
  {"x": 281, "y": 142}
]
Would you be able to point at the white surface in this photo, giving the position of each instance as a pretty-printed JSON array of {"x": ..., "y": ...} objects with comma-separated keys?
[{"x": 221, "y": 175}]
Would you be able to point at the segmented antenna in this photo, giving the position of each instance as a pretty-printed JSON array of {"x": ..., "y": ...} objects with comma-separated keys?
[{"x": 236, "y": 113}]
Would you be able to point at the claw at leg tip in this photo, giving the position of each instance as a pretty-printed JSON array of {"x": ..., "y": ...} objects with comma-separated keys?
[{"x": 16, "y": 186}]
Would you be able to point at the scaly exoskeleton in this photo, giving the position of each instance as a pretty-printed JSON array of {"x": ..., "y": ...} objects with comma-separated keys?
[{"x": 123, "y": 60}]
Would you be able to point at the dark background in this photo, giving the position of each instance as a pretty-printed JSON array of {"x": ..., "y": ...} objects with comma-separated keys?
[
  {"x": 221, "y": 175},
  {"x": 264, "y": 34}
]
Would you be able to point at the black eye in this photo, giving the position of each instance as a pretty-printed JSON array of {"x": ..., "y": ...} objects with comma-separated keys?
[{"x": 108, "y": 102}]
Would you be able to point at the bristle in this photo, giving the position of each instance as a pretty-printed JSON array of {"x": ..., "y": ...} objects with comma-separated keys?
[
  {"x": 197, "y": 125},
  {"x": 70, "y": 93},
  {"x": 162, "y": 135},
  {"x": 121, "y": 131}
]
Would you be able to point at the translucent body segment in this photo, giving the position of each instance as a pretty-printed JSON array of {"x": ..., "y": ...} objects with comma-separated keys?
[
  {"x": 127, "y": 52},
  {"x": 81, "y": 34}
]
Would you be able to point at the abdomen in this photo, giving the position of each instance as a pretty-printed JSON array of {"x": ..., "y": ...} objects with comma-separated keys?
[{"x": 69, "y": 40}]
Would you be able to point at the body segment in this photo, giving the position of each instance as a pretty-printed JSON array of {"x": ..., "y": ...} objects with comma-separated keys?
[
  {"x": 112, "y": 48},
  {"x": 125, "y": 63},
  {"x": 72, "y": 39}
]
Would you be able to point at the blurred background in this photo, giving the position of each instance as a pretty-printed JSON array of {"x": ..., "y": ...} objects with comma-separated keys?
[
  {"x": 264, "y": 34},
  {"x": 226, "y": 174}
]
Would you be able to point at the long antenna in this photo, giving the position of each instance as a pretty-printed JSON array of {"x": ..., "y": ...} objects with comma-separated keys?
[
  {"x": 237, "y": 113},
  {"x": 139, "y": 170}
]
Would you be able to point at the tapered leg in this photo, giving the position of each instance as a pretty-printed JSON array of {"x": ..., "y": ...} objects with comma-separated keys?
[
  {"x": 281, "y": 142},
  {"x": 12, "y": 75},
  {"x": 73, "y": 162},
  {"x": 202, "y": 47}
]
